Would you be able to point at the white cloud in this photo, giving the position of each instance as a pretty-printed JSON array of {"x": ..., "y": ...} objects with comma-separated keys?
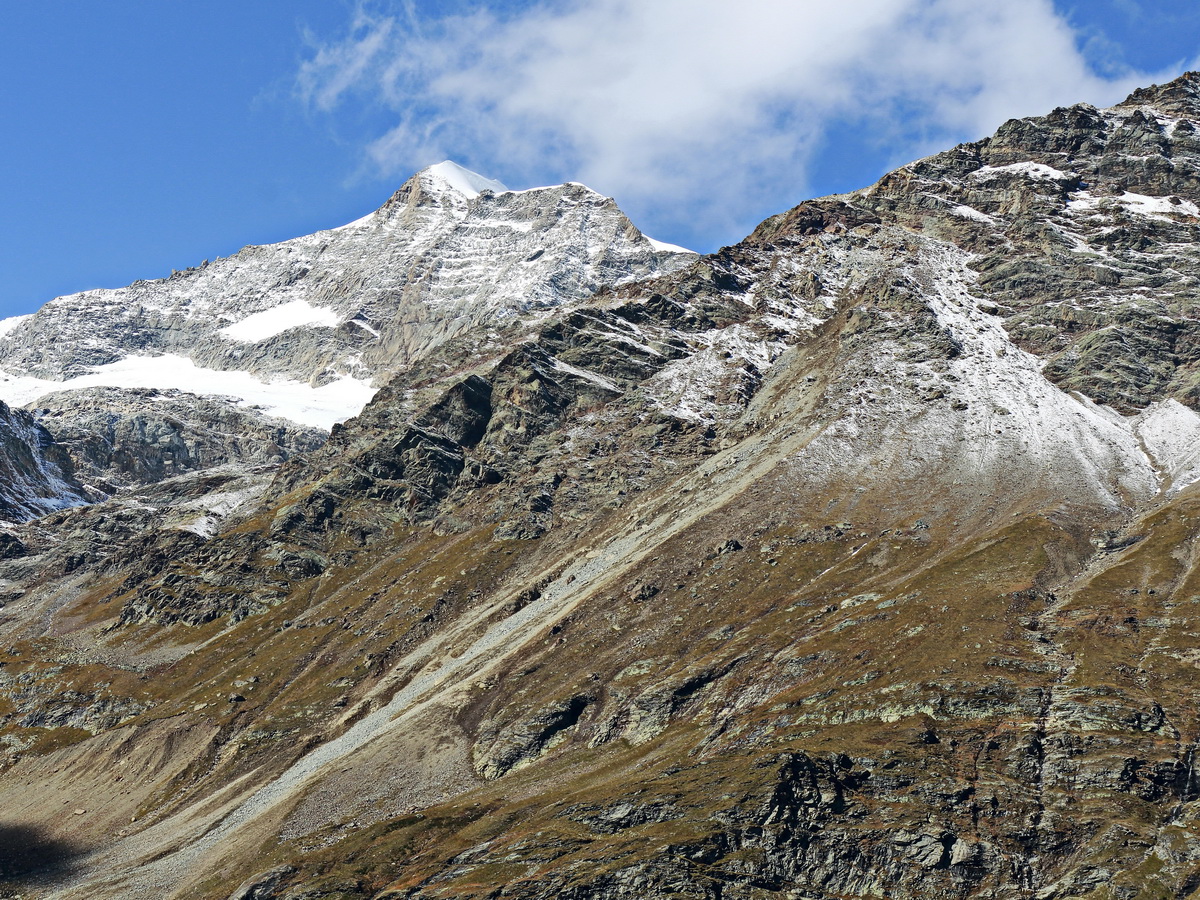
[
  {"x": 339, "y": 67},
  {"x": 700, "y": 116}
]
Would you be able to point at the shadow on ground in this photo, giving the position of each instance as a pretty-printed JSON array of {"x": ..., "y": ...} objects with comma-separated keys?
[{"x": 27, "y": 853}]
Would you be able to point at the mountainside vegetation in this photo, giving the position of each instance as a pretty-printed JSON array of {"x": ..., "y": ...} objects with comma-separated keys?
[{"x": 858, "y": 559}]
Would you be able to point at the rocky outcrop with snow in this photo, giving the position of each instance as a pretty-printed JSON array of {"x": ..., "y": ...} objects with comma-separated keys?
[
  {"x": 37, "y": 474},
  {"x": 258, "y": 350},
  {"x": 309, "y": 328}
]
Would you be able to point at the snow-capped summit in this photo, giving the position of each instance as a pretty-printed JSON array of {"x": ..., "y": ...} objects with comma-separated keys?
[
  {"x": 464, "y": 181},
  {"x": 308, "y": 328}
]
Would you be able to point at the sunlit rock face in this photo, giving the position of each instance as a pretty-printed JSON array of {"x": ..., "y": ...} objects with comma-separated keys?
[
  {"x": 855, "y": 560},
  {"x": 309, "y": 327},
  {"x": 259, "y": 353}
]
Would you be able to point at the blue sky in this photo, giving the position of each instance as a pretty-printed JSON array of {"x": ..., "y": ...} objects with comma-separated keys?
[{"x": 136, "y": 138}]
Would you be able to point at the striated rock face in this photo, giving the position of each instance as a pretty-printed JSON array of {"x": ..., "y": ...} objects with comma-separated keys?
[
  {"x": 36, "y": 474},
  {"x": 119, "y": 437},
  {"x": 858, "y": 559}
]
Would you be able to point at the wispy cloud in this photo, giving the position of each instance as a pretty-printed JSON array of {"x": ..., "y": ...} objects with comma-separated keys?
[
  {"x": 346, "y": 64},
  {"x": 700, "y": 116}
]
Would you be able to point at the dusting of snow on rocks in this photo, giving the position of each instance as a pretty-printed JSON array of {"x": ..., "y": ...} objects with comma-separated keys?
[
  {"x": 309, "y": 327},
  {"x": 1032, "y": 170},
  {"x": 1170, "y": 433},
  {"x": 986, "y": 416},
  {"x": 1162, "y": 208}
]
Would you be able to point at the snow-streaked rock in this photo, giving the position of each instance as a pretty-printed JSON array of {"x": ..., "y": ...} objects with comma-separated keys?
[
  {"x": 36, "y": 475},
  {"x": 309, "y": 327}
]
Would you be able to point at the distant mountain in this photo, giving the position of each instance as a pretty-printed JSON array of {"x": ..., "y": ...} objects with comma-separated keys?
[
  {"x": 306, "y": 329},
  {"x": 858, "y": 559},
  {"x": 295, "y": 337}
]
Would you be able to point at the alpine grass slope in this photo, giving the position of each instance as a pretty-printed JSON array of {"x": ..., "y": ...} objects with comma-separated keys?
[{"x": 858, "y": 559}]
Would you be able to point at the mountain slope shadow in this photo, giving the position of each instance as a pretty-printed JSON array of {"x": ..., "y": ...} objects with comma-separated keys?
[{"x": 28, "y": 853}]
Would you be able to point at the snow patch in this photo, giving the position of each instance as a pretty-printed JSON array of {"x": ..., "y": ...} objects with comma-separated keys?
[
  {"x": 266, "y": 324},
  {"x": 1140, "y": 204},
  {"x": 321, "y": 407},
  {"x": 463, "y": 181},
  {"x": 1170, "y": 433},
  {"x": 7, "y": 325},
  {"x": 664, "y": 247},
  {"x": 1158, "y": 206},
  {"x": 968, "y": 212},
  {"x": 357, "y": 223},
  {"x": 1036, "y": 171},
  {"x": 205, "y": 515}
]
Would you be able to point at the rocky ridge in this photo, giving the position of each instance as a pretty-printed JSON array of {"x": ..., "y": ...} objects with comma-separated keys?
[
  {"x": 856, "y": 559},
  {"x": 331, "y": 314},
  {"x": 249, "y": 358}
]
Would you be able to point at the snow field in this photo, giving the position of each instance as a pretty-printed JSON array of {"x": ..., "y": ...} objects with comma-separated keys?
[{"x": 321, "y": 407}]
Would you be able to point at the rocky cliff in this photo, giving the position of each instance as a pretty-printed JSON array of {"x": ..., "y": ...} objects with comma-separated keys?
[
  {"x": 308, "y": 327},
  {"x": 252, "y": 357},
  {"x": 38, "y": 475},
  {"x": 855, "y": 560}
]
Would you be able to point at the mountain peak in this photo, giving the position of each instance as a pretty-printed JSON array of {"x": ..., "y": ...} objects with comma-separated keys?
[
  {"x": 461, "y": 180},
  {"x": 1181, "y": 96}
]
